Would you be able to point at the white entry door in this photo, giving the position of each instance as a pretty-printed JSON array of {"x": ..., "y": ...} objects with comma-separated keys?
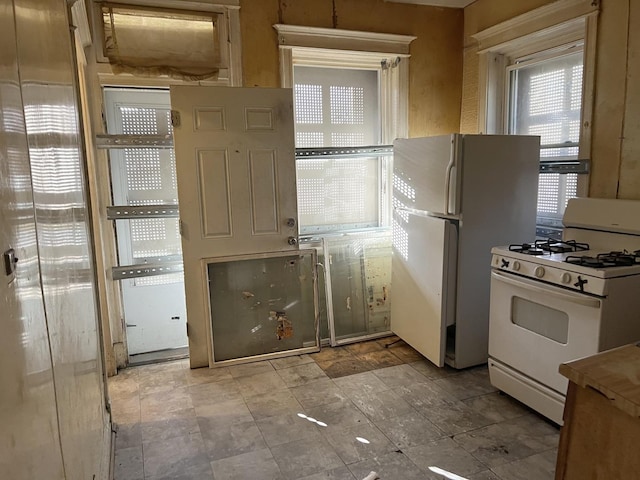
[
  {"x": 154, "y": 306},
  {"x": 235, "y": 159}
]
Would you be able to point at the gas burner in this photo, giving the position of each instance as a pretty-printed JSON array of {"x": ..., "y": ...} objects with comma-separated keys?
[
  {"x": 526, "y": 248},
  {"x": 557, "y": 246},
  {"x": 585, "y": 261},
  {"x": 604, "y": 260},
  {"x": 620, "y": 259}
]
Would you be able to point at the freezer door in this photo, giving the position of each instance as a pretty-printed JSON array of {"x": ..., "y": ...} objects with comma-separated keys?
[
  {"x": 426, "y": 174},
  {"x": 423, "y": 282}
]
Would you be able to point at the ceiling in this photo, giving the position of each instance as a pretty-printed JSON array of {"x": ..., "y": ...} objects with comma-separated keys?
[{"x": 437, "y": 3}]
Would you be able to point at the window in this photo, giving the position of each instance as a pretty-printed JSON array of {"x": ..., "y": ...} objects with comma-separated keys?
[
  {"x": 344, "y": 96},
  {"x": 168, "y": 41},
  {"x": 545, "y": 99},
  {"x": 536, "y": 78}
]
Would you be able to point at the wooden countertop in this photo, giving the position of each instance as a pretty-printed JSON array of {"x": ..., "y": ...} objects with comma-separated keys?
[{"x": 614, "y": 373}]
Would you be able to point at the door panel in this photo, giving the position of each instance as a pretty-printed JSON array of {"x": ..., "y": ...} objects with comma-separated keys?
[
  {"x": 215, "y": 201},
  {"x": 236, "y": 184},
  {"x": 422, "y": 267},
  {"x": 237, "y": 146}
]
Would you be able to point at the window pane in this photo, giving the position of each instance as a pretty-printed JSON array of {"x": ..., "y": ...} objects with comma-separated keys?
[
  {"x": 338, "y": 193},
  {"x": 347, "y": 105},
  {"x": 308, "y": 100}
]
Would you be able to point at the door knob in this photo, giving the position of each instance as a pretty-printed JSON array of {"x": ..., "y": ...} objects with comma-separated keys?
[{"x": 292, "y": 241}]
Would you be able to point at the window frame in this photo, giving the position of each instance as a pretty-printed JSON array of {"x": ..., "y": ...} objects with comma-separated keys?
[
  {"x": 335, "y": 48},
  {"x": 228, "y": 13},
  {"x": 547, "y": 31},
  {"x": 388, "y": 54}
]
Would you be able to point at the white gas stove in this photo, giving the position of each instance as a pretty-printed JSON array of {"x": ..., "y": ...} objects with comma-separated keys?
[
  {"x": 555, "y": 301},
  {"x": 567, "y": 264}
]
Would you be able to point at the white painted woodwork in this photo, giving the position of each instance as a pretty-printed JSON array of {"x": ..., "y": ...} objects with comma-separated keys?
[
  {"x": 436, "y": 3},
  {"x": 333, "y": 38},
  {"x": 546, "y": 21},
  {"x": 335, "y": 48},
  {"x": 235, "y": 159}
]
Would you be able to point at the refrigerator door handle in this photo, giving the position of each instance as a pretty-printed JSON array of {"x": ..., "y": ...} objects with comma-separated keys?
[
  {"x": 447, "y": 180},
  {"x": 412, "y": 211}
]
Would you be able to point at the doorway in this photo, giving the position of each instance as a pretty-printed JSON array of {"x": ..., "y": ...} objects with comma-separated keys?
[{"x": 153, "y": 304}]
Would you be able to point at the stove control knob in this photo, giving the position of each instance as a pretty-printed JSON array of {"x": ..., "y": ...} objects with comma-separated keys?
[
  {"x": 539, "y": 272},
  {"x": 566, "y": 277},
  {"x": 516, "y": 265}
]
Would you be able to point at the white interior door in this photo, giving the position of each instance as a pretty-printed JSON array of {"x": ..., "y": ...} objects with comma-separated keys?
[
  {"x": 236, "y": 183},
  {"x": 423, "y": 271},
  {"x": 154, "y": 307}
]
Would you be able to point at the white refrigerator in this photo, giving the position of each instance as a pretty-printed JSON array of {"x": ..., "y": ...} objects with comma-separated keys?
[{"x": 455, "y": 197}]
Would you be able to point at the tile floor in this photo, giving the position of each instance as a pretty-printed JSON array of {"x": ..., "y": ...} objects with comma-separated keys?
[{"x": 335, "y": 415}]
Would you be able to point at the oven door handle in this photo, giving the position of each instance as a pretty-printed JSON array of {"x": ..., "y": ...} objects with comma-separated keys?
[{"x": 547, "y": 290}]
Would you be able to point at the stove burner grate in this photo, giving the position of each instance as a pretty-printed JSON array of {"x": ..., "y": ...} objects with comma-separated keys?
[
  {"x": 605, "y": 260},
  {"x": 558, "y": 246},
  {"x": 548, "y": 246},
  {"x": 526, "y": 248}
]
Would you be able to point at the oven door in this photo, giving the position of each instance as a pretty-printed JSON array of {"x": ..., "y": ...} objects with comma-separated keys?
[{"x": 534, "y": 327}]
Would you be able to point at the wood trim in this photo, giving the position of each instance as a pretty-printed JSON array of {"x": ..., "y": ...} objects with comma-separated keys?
[
  {"x": 333, "y": 38},
  {"x": 491, "y": 96},
  {"x": 81, "y": 22},
  {"x": 235, "y": 48},
  {"x": 193, "y": 5},
  {"x": 588, "y": 94},
  {"x": 106, "y": 77},
  {"x": 542, "y": 18},
  {"x": 338, "y": 58},
  {"x": 286, "y": 67}
]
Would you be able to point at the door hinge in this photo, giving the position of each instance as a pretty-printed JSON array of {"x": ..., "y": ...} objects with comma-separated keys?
[
  {"x": 180, "y": 227},
  {"x": 187, "y": 330},
  {"x": 175, "y": 118}
]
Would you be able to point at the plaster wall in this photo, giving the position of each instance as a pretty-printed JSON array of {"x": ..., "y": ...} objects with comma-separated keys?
[{"x": 436, "y": 54}]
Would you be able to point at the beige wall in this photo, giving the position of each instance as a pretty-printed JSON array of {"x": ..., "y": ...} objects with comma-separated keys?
[
  {"x": 436, "y": 55},
  {"x": 615, "y": 143}
]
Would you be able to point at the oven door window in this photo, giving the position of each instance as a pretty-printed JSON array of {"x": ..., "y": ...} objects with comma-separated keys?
[{"x": 540, "y": 319}]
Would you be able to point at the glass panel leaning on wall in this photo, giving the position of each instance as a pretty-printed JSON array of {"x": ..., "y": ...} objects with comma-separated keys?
[
  {"x": 263, "y": 305},
  {"x": 359, "y": 268}
]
